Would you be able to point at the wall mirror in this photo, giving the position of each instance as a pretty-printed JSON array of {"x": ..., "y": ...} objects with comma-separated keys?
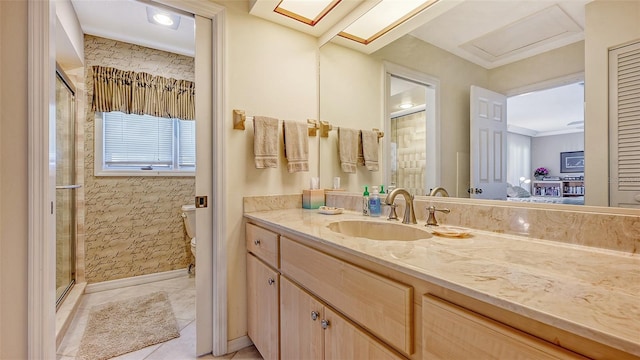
[{"x": 354, "y": 85}]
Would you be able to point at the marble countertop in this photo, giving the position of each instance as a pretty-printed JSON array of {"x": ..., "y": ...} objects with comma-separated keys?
[{"x": 590, "y": 292}]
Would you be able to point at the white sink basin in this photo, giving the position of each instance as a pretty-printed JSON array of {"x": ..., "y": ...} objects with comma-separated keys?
[{"x": 378, "y": 230}]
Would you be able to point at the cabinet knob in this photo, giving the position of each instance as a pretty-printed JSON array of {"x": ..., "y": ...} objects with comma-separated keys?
[
  {"x": 271, "y": 281},
  {"x": 324, "y": 323},
  {"x": 256, "y": 241},
  {"x": 314, "y": 315}
]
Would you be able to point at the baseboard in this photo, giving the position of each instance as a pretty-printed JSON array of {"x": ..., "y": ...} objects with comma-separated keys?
[
  {"x": 238, "y": 344},
  {"x": 135, "y": 280}
]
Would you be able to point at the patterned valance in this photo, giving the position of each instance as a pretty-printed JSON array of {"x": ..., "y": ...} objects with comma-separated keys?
[{"x": 143, "y": 94}]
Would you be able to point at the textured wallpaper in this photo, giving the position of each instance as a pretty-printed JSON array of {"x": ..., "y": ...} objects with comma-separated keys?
[{"x": 132, "y": 224}]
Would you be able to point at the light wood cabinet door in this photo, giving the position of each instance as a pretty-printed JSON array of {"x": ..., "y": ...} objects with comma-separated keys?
[
  {"x": 262, "y": 307},
  {"x": 382, "y": 306},
  {"x": 451, "y": 332},
  {"x": 311, "y": 330},
  {"x": 344, "y": 340},
  {"x": 300, "y": 317}
]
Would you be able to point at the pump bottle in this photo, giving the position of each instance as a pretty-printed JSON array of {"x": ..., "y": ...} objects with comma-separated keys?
[
  {"x": 374, "y": 203},
  {"x": 365, "y": 202}
]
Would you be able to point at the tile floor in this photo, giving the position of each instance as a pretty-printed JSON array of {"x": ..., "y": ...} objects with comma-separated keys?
[{"x": 182, "y": 294}]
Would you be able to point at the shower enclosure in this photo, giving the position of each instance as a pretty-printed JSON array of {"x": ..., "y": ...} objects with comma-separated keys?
[{"x": 65, "y": 187}]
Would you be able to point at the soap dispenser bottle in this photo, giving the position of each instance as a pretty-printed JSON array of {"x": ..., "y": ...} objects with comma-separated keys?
[
  {"x": 365, "y": 202},
  {"x": 374, "y": 203}
]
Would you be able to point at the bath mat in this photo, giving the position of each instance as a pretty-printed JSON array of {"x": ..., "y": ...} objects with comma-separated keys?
[{"x": 121, "y": 327}]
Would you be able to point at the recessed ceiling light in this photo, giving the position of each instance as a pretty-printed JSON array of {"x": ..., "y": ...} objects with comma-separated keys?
[
  {"x": 163, "y": 18},
  {"x": 406, "y": 106}
]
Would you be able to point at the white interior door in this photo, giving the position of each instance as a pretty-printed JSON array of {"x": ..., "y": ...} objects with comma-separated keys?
[{"x": 488, "y": 131}]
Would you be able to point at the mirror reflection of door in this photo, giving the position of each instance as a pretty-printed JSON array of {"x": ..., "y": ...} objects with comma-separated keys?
[
  {"x": 488, "y": 144},
  {"x": 412, "y": 134}
]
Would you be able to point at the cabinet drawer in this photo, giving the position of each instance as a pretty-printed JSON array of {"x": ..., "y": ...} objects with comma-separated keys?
[
  {"x": 262, "y": 243},
  {"x": 380, "y": 305},
  {"x": 452, "y": 332}
]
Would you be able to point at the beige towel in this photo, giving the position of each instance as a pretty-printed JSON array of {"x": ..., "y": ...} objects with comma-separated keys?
[
  {"x": 348, "y": 148},
  {"x": 370, "y": 149},
  {"x": 360, "y": 153},
  {"x": 296, "y": 146},
  {"x": 265, "y": 142}
]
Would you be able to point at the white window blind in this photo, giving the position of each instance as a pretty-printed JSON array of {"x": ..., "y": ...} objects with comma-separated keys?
[
  {"x": 141, "y": 143},
  {"x": 187, "y": 145}
]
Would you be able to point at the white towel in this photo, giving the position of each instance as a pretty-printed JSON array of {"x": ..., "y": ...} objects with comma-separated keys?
[
  {"x": 296, "y": 146},
  {"x": 348, "y": 149},
  {"x": 265, "y": 142},
  {"x": 370, "y": 149}
]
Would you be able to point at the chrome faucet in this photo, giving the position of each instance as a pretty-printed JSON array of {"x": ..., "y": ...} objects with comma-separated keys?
[
  {"x": 437, "y": 190},
  {"x": 409, "y": 214}
]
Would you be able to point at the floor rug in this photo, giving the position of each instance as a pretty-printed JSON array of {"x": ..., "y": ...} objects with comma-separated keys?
[{"x": 121, "y": 327}]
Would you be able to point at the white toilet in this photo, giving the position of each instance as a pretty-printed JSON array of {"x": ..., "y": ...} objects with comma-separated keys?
[{"x": 189, "y": 217}]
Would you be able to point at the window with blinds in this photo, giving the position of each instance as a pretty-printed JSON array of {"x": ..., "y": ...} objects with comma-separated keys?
[
  {"x": 143, "y": 144},
  {"x": 624, "y": 90}
]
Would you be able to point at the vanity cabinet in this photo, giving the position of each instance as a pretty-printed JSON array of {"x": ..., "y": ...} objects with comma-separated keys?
[
  {"x": 263, "y": 291},
  {"x": 451, "y": 332},
  {"x": 373, "y": 311},
  {"x": 382, "y": 306},
  {"x": 312, "y": 330}
]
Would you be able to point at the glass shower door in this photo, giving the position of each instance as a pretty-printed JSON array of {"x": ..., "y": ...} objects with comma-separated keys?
[{"x": 65, "y": 188}]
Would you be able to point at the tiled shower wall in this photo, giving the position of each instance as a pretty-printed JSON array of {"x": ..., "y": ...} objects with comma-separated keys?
[
  {"x": 409, "y": 134},
  {"x": 132, "y": 224}
]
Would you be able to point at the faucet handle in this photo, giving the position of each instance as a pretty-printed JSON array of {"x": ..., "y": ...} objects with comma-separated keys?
[{"x": 431, "y": 220}]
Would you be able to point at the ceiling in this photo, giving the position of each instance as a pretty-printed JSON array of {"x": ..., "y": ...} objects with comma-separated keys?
[
  {"x": 126, "y": 20},
  {"x": 489, "y": 33}
]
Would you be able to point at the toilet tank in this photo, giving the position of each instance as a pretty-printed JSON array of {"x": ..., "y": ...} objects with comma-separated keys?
[{"x": 189, "y": 217}]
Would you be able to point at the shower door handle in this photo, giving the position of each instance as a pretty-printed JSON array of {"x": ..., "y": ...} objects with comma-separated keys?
[{"x": 64, "y": 187}]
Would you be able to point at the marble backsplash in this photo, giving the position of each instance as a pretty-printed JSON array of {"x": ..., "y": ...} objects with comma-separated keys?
[{"x": 584, "y": 225}]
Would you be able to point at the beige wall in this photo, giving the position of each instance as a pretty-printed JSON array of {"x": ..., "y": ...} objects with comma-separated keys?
[
  {"x": 550, "y": 65},
  {"x": 132, "y": 224},
  {"x": 270, "y": 70},
  {"x": 13, "y": 180},
  {"x": 608, "y": 24},
  {"x": 351, "y": 96}
]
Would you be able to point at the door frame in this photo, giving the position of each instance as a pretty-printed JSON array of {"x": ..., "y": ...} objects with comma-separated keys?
[
  {"x": 41, "y": 20},
  {"x": 433, "y": 178}
]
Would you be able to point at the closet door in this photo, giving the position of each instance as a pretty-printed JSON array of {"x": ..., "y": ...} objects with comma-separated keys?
[{"x": 624, "y": 126}]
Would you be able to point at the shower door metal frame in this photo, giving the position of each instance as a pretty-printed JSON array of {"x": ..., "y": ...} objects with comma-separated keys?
[{"x": 69, "y": 187}]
